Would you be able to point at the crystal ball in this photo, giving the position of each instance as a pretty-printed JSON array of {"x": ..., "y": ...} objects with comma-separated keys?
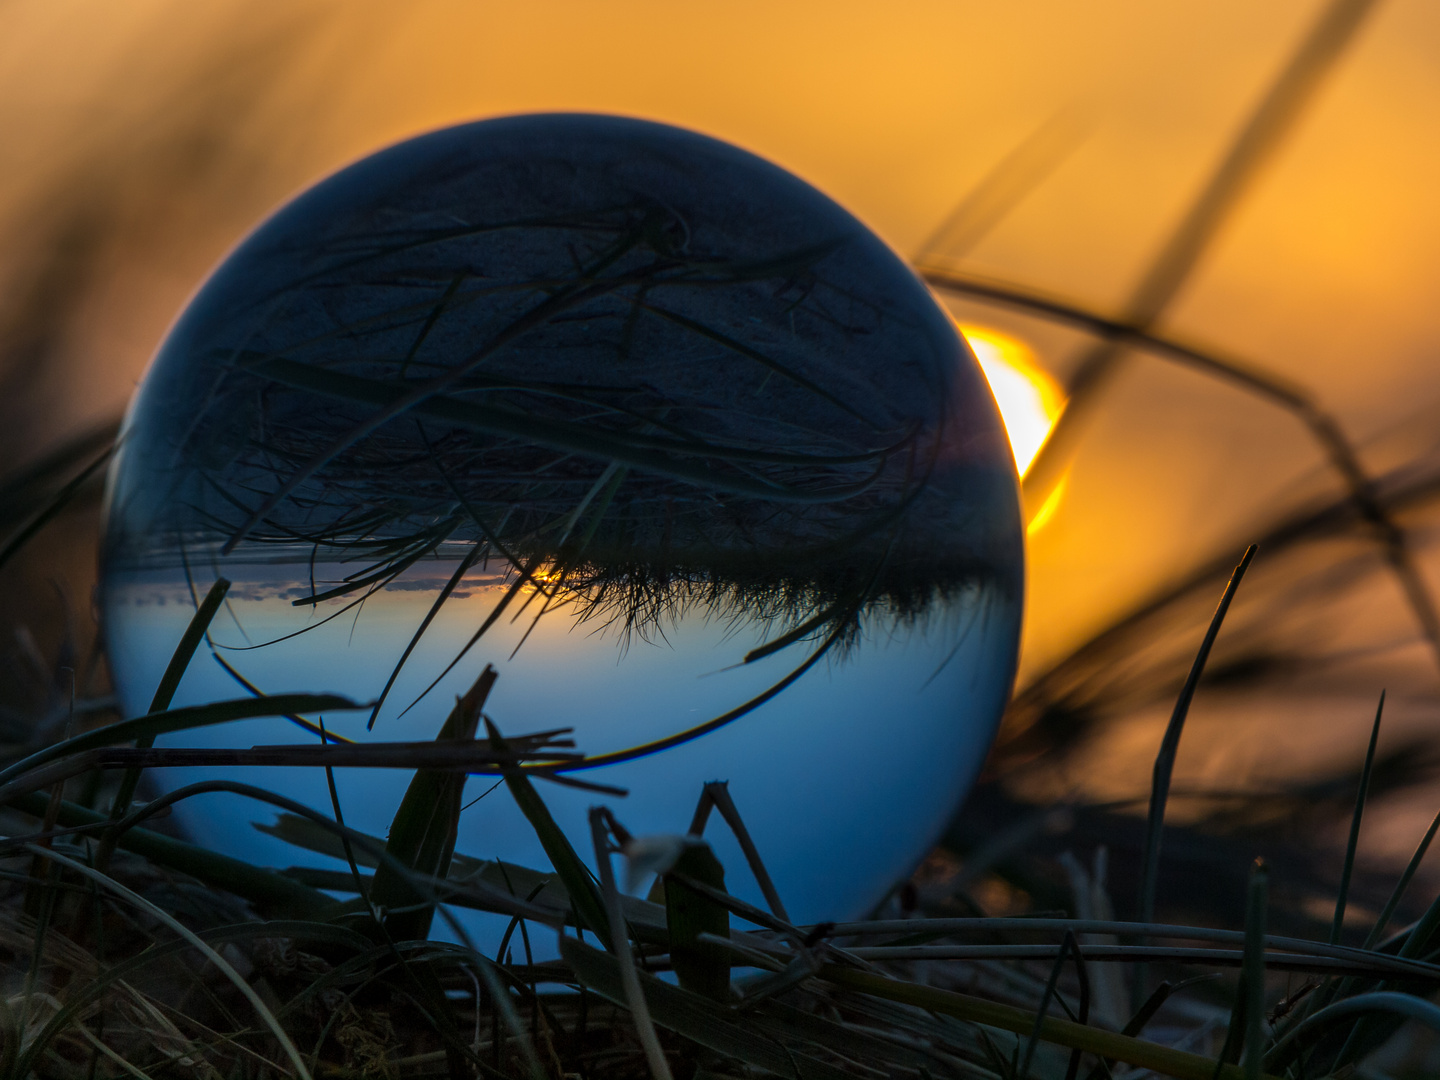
[{"x": 643, "y": 421}]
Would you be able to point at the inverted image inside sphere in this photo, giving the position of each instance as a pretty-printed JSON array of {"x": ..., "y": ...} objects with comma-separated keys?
[{"x": 642, "y": 420}]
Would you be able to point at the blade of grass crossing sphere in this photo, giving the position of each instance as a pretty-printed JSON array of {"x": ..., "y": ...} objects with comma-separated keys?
[
  {"x": 165, "y": 692},
  {"x": 589, "y": 909},
  {"x": 189, "y": 642},
  {"x": 422, "y": 834},
  {"x": 465, "y": 564},
  {"x": 1354, "y": 840},
  {"x": 719, "y": 792},
  {"x": 255, "y": 691},
  {"x": 809, "y": 626},
  {"x": 360, "y": 884},
  {"x": 525, "y": 574},
  {"x": 634, "y": 994},
  {"x": 266, "y": 1017},
  {"x": 194, "y": 716}
]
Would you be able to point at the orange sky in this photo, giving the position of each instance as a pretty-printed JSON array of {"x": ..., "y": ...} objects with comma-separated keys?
[{"x": 1326, "y": 274}]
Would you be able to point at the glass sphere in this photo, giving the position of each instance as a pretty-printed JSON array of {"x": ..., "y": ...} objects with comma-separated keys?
[{"x": 648, "y": 424}]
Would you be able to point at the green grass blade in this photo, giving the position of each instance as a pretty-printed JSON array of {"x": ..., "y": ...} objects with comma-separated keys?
[
  {"x": 588, "y": 907},
  {"x": 444, "y": 594},
  {"x": 1136, "y": 1024},
  {"x": 500, "y": 998},
  {"x": 1334, "y": 988},
  {"x": 268, "y": 890},
  {"x": 422, "y": 834},
  {"x": 1354, "y": 840},
  {"x": 189, "y": 642},
  {"x": 601, "y": 827},
  {"x": 193, "y": 716},
  {"x": 1252, "y": 971},
  {"x": 165, "y": 691}
]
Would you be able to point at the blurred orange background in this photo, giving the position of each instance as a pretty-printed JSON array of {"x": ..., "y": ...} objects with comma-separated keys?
[{"x": 141, "y": 140}]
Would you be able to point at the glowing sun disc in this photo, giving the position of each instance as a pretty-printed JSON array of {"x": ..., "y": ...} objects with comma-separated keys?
[{"x": 1028, "y": 398}]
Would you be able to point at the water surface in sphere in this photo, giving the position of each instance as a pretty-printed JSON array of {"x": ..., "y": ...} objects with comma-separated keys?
[{"x": 644, "y": 422}]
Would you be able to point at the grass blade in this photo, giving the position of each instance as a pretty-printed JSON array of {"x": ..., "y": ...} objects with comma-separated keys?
[
  {"x": 1273, "y": 118},
  {"x": 589, "y": 910},
  {"x": 1147, "y": 1055},
  {"x": 247, "y": 991},
  {"x": 42, "y": 517},
  {"x": 1354, "y": 840},
  {"x": 165, "y": 693},
  {"x": 702, "y": 969},
  {"x": 193, "y": 716},
  {"x": 572, "y": 438},
  {"x": 268, "y": 890},
  {"x": 718, "y": 792},
  {"x": 1068, "y": 947},
  {"x": 1403, "y": 1006},
  {"x": 1252, "y": 972},
  {"x": 1165, "y": 759},
  {"x": 1400, "y": 886},
  {"x": 422, "y": 834},
  {"x": 695, "y": 1017},
  {"x": 620, "y": 948}
]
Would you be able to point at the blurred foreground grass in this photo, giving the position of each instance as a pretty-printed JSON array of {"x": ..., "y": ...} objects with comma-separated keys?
[{"x": 128, "y": 951}]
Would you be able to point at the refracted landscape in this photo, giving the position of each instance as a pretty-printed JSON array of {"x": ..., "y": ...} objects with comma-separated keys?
[{"x": 844, "y": 778}]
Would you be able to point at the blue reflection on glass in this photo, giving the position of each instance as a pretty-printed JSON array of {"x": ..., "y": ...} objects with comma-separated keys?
[{"x": 673, "y": 438}]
